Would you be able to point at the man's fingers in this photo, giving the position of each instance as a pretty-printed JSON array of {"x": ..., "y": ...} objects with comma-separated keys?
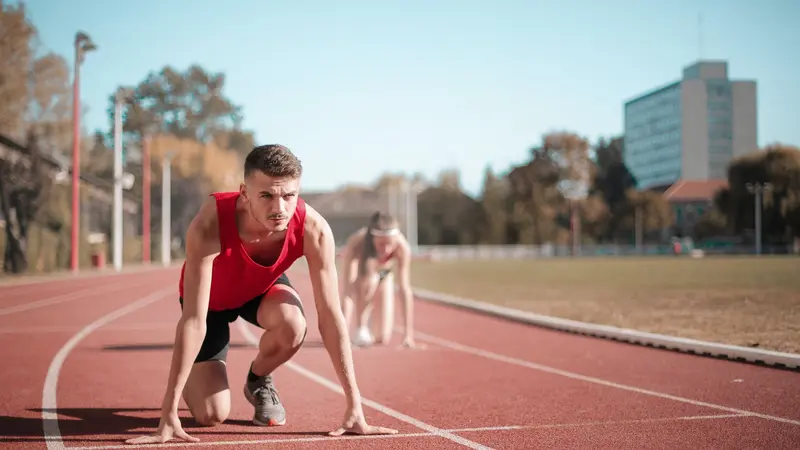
[
  {"x": 145, "y": 440},
  {"x": 182, "y": 434}
]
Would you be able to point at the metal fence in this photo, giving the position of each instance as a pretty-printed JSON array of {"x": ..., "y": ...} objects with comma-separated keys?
[{"x": 443, "y": 252}]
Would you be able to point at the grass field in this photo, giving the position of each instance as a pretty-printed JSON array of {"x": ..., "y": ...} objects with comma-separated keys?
[{"x": 736, "y": 300}]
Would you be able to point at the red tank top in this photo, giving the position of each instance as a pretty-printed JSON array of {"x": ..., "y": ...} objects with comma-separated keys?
[{"x": 236, "y": 278}]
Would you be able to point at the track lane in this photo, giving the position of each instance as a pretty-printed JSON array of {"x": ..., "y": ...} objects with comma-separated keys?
[
  {"x": 737, "y": 385},
  {"x": 127, "y": 371},
  {"x": 550, "y": 410},
  {"x": 27, "y": 356}
]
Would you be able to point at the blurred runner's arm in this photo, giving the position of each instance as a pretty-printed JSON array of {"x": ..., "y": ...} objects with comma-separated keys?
[{"x": 405, "y": 292}]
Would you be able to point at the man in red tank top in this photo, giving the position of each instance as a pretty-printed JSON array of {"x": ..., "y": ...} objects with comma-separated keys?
[{"x": 238, "y": 247}]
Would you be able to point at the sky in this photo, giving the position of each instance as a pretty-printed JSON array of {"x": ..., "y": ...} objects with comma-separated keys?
[{"x": 357, "y": 88}]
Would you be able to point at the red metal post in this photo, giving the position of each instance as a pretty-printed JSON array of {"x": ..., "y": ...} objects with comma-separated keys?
[
  {"x": 146, "y": 199},
  {"x": 76, "y": 161}
]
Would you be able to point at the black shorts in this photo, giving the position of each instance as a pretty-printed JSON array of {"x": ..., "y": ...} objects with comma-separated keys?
[{"x": 218, "y": 335}]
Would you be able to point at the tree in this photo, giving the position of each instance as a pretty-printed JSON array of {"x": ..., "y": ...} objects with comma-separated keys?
[
  {"x": 21, "y": 183},
  {"x": 187, "y": 105},
  {"x": 16, "y": 56},
  {"x": 709, "y": 225},
  {"x": 570, "y": 153},
  {"x": 448, "y": 217},
  {"x": 595, "y": 216},
  {"x": 535, "y": 200},
  {"x": 450, "y": 179},
  {"x": 197, "y": 170},
  {"x": 649, "y": 208},
  {"x": 612, "y": 182},
  {"x": 778, "y": 165},
  {"x": 34, "y": 104},
  {"x": 496, "y": 209},
  {"x": 50, "y": 108}
]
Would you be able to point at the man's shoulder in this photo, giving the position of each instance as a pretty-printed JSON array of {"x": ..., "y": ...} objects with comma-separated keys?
[
  {"x": 314, "y": 223},
  {"x": 206, "y": 222}
]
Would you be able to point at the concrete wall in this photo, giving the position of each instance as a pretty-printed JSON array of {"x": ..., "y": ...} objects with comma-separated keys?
[
  {"x": 745, "y": 117},
  {"x": 694, "y": 164}
]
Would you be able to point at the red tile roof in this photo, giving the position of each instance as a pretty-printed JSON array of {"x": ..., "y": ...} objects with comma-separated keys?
[{"x": 694, "y": 190}]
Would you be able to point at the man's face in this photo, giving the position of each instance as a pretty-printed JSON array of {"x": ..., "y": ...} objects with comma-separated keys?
[{"x": 272, "y": 200}]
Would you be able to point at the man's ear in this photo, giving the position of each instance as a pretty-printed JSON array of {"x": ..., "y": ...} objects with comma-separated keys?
[{"x": 243, "y": 191}]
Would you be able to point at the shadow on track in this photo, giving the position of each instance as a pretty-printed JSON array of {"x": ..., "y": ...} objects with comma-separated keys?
[
  {"x": 80, "y": 424},
  {"x": 163, "y": 346}
]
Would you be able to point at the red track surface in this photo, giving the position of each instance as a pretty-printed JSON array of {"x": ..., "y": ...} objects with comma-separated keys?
[{"x": 481, "y": 383}]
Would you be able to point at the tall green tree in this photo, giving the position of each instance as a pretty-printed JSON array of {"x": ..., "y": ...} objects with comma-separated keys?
[
  {"x": 612, "y": 182},
  {"x": 186, "y": 104},
  {"x": 778, "y": 166},
  {"x": 496, "y": 209},
  {"x": 446, "y": 215},
  {"x": 535, "y": 199}
]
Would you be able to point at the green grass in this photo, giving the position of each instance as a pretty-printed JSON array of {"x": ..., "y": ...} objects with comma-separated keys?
[{"x": 738, "y": 300}]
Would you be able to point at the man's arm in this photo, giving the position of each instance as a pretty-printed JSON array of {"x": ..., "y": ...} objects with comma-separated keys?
[
  {"x": 201, "y": 248},
  {"x": 404, "y": 290},
  {"x": 320, "y": 252}
]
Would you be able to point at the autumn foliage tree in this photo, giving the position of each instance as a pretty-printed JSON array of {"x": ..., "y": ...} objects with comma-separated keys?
[
  {"x": 561, "y": 193},
  {"x": 35, "y": 102}
]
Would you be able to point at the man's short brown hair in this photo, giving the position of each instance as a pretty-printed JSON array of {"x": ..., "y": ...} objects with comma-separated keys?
[{"x": 273, "y": 160}]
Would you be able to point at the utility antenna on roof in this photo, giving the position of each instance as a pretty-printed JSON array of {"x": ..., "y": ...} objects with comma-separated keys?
[{"x": 700, "y": 35}]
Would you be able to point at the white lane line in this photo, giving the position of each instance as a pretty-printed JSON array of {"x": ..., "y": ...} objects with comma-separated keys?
[
  {"x": 576, "y": 376},
  {"x": 399, "y": 435},
  {"x": 36, "y": 329},
  {"x": 253, "y": 340},
  {"x": 182, "y": 444},
  {"x": 598, "y": 423},
  {"x": 59, "y": 299},
  {"x": 87, "y": 275},
  {"x": 52, "y": 433}
]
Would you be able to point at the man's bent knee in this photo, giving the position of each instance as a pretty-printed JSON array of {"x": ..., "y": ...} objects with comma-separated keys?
[
  {"x": 211, "y": 415},
  {"x": 207, "y": 394},
  {"x": 281, "y": 314},
  {"x": 291, "y": 333}
]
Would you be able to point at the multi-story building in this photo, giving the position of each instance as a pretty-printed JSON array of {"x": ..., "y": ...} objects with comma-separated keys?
[{"x": 690, "y": 129}]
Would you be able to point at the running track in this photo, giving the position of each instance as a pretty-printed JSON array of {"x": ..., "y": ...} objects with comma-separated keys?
[{"x": 85, "y": 362}]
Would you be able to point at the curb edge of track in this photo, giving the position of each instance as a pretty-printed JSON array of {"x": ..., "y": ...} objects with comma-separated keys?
[
  {"x": 87, "y": 273},
  {"x": 780, "y": 360}
]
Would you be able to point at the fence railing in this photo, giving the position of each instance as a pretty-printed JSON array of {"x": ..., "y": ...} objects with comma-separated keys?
[{"x": 444, "y": 252}]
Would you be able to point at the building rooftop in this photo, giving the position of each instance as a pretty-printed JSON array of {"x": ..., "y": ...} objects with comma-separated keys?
[{"x": 694, "y": 190}]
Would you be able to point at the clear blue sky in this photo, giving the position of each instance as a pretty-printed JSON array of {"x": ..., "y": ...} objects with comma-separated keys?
[{"x": 360, "y": 87}]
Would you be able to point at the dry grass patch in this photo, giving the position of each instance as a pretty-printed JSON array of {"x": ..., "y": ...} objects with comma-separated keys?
[{"x": 738, "y": 300}]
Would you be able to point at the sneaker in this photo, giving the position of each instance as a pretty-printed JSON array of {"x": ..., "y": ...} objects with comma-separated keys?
[
  {"x": 262, "y": 394},
  {"x": 363, "y": 338}
]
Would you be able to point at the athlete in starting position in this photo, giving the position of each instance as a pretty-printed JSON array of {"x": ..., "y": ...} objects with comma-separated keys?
[
  {"x": 367, "y": 281},
  {"x": 238, "y": 247}
]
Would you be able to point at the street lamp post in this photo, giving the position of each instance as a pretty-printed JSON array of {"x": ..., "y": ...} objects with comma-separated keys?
[
  {"x": 83, "y": 44},
  {"x": 146, "y": 142},
  {"x": 166, "y": 207},
  {"x": 121, "y": 96},
  {"x": 758, "y": 190},
  {"x": 409, "y": 192}
]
